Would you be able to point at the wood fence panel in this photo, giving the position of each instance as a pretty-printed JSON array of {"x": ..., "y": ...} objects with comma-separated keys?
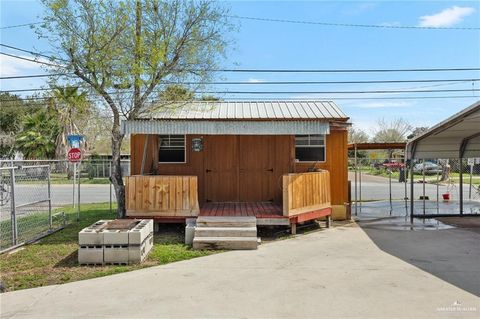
[
  {"x": 306, "y": 192},
  {"x": 162, "y": 196}
]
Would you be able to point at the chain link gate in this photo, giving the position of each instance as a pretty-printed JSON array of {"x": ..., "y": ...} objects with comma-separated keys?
[{"x": 25, "y": 205}]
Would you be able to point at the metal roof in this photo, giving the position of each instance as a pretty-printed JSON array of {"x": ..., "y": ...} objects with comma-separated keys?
[
  {"x": 246, "y": 110},
  {"x": 457, "y": 136},
  {"x": 222, "y": 127}
]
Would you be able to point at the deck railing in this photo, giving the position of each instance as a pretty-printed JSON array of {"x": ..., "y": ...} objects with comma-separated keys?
[
  {"x": 161, "y": 196},
  {"x": 306, "y": 192}
]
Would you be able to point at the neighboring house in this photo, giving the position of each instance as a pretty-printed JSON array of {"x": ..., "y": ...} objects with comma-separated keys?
[{"x": 239, "y": 158}]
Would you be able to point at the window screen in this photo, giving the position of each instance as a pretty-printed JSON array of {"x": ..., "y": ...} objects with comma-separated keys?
[
  {"x": 310, "y": 148},
  {"x": 171, "y": 148}
]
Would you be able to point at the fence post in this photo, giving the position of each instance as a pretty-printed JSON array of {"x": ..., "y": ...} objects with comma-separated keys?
[
  {"x": 356, "y": 173},
  {"x": 78, "y": 193},
  {"x": 423, "y": 185},
  {"x": 110, "y": 179},
  {"x": 49, "y": 199},
  {"x": 470, "y": 187},
  {"x": 13, "y": 217},
  {"x": 74, "y": 182},
  {"x": 390, "y": 189},
  {"x": 438, "y": 193},
  {"x": 461, "y": 185},
  {"x": 360, "y": 186}
]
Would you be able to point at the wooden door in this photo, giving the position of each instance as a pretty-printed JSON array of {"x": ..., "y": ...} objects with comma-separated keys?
[
  {"x": 221, "y": 168},
  {"x": 256, "y": 168}
]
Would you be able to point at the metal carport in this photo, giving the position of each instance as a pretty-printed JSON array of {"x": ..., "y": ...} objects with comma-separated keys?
[{"x": 456, "y": 137}]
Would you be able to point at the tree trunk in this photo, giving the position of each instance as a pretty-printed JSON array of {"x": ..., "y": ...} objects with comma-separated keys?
[{"x": 116, "y": 177}]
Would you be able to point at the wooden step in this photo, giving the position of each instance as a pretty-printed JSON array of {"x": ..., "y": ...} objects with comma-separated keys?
[
  {"x": 226, "y": 231},
  {"x": 227, "y": 243},
  {"x": 230, "y": 221}
]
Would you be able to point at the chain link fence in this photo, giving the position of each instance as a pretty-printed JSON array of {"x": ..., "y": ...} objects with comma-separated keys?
[
  {"x": 436, "y": 182},
  {"x": 95, "y": 171},
  {"x": 37, "y": 196},
  {"x": 26, "y": 210}
]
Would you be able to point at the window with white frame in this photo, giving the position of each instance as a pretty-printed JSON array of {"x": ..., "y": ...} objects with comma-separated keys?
[
  {"x": 171, "y": 149},
  {"x": 310, "y": 148}
]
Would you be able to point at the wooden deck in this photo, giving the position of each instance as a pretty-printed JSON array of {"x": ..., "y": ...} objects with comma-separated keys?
[{"x": 255, "y": 209}]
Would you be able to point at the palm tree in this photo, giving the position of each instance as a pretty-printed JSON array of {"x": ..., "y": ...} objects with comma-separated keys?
[
  {"x": 71, "y": 106},
  {"x": 37, "y": 139}
]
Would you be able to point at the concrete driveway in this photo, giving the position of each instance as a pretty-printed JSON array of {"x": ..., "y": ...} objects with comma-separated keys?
[{"x": 344, "y": 272}]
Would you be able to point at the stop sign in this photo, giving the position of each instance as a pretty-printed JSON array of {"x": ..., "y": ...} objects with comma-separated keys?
[{"x": 74, "y": 155}]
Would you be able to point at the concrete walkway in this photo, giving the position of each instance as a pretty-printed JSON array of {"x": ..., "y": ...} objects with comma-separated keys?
[{"x": 335, "y": 273}]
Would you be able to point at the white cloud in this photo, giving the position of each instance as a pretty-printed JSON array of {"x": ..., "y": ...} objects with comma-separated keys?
[
  {"x": 15, "y": 67},
  {"x": 11, "y": 66},
  {"x": 447, "y": 17},
  {"x": 255, "y": 80}
]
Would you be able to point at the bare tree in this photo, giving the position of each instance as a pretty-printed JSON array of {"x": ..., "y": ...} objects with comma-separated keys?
[
  {"x": 125, "y": 50},
  {"x": 357, "y": 135},
  {"x": 394, "y": 131}
]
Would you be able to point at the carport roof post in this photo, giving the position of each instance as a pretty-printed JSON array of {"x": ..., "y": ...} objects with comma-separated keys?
[{"x": 456, "y": 137}]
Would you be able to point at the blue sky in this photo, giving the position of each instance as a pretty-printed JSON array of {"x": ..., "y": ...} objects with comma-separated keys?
[{"x": 261, "y": 44}]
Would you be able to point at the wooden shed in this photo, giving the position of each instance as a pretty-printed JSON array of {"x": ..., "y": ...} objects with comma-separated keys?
[{"x": 283, "y": 162}]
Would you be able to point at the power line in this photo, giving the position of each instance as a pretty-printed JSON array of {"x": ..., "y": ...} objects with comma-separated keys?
[
  {"x": 284, "y": 92},
  {"x": 296, "y": 70},
  {"x": 31, "y": 60},
  {"x": 32, "y": 52},
  {"x": 20, "y": 25},
  {"x": 451, "y": 81},
  {"x": 351, "y": 24},
  {"x": 339, "y": 92},
  {"x": 357, "y": 98},
  {"x": 329, "y": 98},
  {"x": 344, "y": 70},
  {"x": 33, "y": 76},
  {"x": 321, "y": 23}
]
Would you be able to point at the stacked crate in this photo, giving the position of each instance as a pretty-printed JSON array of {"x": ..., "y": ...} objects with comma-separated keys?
[{"x": 100, "y": 244}]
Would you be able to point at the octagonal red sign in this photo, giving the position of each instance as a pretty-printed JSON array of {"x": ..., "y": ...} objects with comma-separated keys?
[{"x": 74, "y": 155}]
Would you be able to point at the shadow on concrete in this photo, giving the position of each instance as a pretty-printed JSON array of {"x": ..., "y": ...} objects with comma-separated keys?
[{"x": 452, "y": 254}]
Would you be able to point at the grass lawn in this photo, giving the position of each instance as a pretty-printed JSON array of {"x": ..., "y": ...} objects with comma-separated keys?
[
  {"x": 53, "y": 260},
  {"x": 58, "y": 179},
  {"x": 98, "y": 180}
]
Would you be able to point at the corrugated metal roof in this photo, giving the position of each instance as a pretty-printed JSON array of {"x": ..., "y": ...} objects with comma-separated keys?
[
  {"x": 251, "y": 110},
  {"x": 224, "y": 127},
  {"x": 445, "y": 139}
]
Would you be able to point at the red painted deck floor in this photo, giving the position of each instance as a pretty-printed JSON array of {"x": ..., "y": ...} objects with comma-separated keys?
[{"x": 257, "y": 209}]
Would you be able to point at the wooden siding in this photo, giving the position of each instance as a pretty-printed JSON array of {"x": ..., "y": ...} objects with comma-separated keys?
[
  {"x": 162, "y": 196},
  {"x": 282, "y": 162},
  {"x": 336, "y": 163},
  {"x": 306, "y": 192}
]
